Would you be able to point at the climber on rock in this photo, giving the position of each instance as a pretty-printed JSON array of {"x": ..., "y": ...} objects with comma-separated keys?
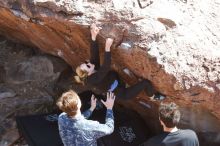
[{"x": 100, "y": 79}]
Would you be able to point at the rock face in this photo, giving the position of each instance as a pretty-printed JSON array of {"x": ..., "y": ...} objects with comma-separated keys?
[
  {"x": 175, "y": 44},
  {"x": 27, "y": 85}
]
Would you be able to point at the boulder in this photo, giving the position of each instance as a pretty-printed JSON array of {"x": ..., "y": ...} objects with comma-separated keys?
[
  {"x": 32, "y": 69},
  {"x": 175, "y": 44}
]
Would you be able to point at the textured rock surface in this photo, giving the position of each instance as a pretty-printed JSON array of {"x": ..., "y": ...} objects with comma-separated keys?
[
  {"x": 33, "y": 96},
  {"x": 173, "y": 43},
  {"x": 27, "y": 86}
]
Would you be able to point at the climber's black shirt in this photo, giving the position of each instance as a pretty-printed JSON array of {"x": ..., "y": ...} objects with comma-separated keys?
[{"x": 102, "y": 79}]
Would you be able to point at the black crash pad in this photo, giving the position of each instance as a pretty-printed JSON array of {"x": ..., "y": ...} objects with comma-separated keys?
[{"x": 42, "y": 130}]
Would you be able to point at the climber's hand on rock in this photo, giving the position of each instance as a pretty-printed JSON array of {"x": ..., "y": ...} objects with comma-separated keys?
[{"x": 94, "y": 31}]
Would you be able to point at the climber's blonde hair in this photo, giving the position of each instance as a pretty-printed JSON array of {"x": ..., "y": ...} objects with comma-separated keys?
[{"x": 81, "y": 75}]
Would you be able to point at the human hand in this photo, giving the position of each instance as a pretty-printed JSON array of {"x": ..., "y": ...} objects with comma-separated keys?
[
  {"x": 94, "y": 31},
  {"x": 93, "y": 103},
  {"x": 109, "y": 103},
  {"x": 108, "y": 44}
]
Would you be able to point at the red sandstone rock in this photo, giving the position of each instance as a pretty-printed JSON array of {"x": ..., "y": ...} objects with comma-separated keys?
[{"x": 175, "y": 44}]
